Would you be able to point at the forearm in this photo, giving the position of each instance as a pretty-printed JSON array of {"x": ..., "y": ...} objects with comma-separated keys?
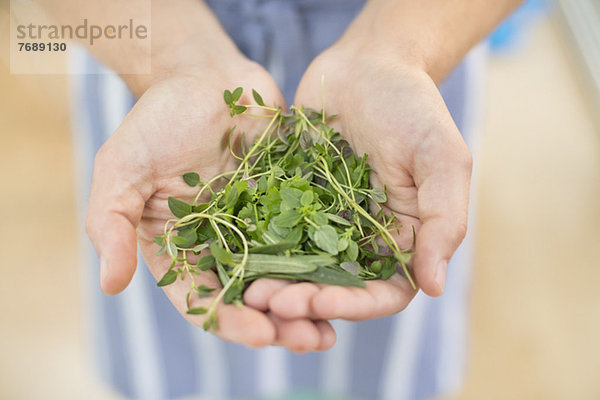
[
  {"x": 183, "y": 37},
  {"x": 432, "y": 34}
]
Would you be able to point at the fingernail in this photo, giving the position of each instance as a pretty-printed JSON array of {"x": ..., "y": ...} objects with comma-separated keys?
[
  {"x": 440, "y": 275},
  {"x": 103, "y": 269}
]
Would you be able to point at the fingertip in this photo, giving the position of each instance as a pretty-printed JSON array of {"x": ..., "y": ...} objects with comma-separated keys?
[
  {"x": 328, "y": 335},
  {"x": 298, "y": 335},
  {"x": 437, "y": 241},
  {"x": 440, "y": 276},
  {"x": 113, "y": 280},
  {"x": 260, "y": 291},
  {"x": 234, "y": 323},
  {"x": 294, "y": 300},
  {"x": 430, "y": 276},
  {"x": 328, "y": 303},
  {"x": 260, "y": 342},
  {"x": 116, "y": 241}
]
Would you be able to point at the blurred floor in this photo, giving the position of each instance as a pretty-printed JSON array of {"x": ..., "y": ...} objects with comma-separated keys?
[
  {"x": 536, "y": 318},
  {"x": 536, "y": 315},
  {"x": 42, "y": 351}
]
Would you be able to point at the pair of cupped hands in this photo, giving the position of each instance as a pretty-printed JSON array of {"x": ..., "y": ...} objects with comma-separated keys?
[{"x": 385, "y": 107}]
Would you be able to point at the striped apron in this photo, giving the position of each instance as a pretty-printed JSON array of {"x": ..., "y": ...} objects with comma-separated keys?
[{"x": 145, "y": 350}]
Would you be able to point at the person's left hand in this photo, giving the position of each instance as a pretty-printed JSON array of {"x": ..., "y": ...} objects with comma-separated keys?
[{"x": 392, "y": 110}]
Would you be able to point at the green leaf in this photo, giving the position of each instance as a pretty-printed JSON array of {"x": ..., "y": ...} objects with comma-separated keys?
[
  {"x": 185, "y": 238},
  {"x": 179, "y": 241},
  {"x": 241, "y": 186},
  {"x": 220, "y": 254},
  {"x": 333, "y": 277},
  {"x": 237, "y": 109},
  {"x": 278, "y": 232},
  {"x": 295, "y": 235},
  {"x": 291, "y": 196},
  {"x": 205, "y": 263},
  {"x": 337, "y": 219},
  {"x": 168, "y": 278},
  {"x": 223, "y": 277},
  {"x": 342, "y": 243},
  {"x": 206, "y": 231},
  {"x": 403, "y": 257},
  {"x": 159, "y": 240},
  {"x": 200, "y": 247},
  {"x": 378, "y": 195},
  {"x": 320, "y": 218},
  {"x": 191, "y": 178},
  {"x": 262, "y": 184},
  {"x": 359, "y": 198},
  {"x": 172, "y": 250},
  {"x": 320, "y": 148},
  {"x": 267, "y": 263},
  {"x": 237, "y": 93},
  {"x": 197, "y": 311},
  {"x": 277, "y": 171},
  {"x": 200, "y": 207},
  {"x": 179, "y": 208},
  {"x": 327, "y": 239},
  {"x": 234, "y": 292},
  {"x": 325, "y": 275},
  {"x": 352, "y": 250},
  {"x": 275, "y": 248},
  {"x": 287, "y": 219},
  {"x": 389, "y": 269},
  {"x": 204, "y": 290},
  {"x": 351, "y": 266},
  {"x": 228, "y": 97},
  {"x": 271, "y": 181},
  {"x": 257, "y": 98},
  {"x": 231, "y": 196},
  {"x": 306, "y": 140},
  {"x": 307, "y": 198},
  {"x": 161, "y": 251}
]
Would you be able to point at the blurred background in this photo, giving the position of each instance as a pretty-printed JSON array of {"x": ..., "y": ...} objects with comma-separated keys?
[{"x": 535, "y": 324}]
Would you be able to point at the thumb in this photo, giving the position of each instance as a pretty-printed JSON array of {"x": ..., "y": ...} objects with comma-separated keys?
[
  {"x": 115, "y": 209},
  {"x": 443, "y": 198}
]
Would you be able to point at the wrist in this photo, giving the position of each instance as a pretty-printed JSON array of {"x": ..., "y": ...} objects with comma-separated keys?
[
  {"x": 187, "y": 39},
  {"x": 393, "y": 37},
  {"x": 430, "y": 35},
  {"x": 186, "y": 57}
]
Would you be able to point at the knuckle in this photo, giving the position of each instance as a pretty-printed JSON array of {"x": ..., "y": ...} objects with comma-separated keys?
[
  {"x": 89, "y": 225},
  {"x": 102, "y": 156},
  {"x": 466, "y": 160},
  {"x": 299, "y": 349},
  {"x": 461, "y": 230},
  {"x": 258, "y": 344}
]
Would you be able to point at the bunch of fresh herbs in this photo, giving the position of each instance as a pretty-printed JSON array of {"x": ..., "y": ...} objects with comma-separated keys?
[{"x": 296, "y": 207}]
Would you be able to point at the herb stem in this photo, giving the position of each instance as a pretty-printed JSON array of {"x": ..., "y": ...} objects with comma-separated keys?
[
  {"x": 255, "y": 146},
  {"x": 387, "y": 237}
]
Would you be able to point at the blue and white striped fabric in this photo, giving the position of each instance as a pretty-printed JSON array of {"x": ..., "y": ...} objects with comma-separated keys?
[{"x": 146, "y": 350}]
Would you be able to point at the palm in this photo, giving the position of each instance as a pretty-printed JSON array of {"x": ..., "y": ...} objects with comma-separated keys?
[
  {"x": 396, "y": 115},
  {"x": 197, "y": 121}
]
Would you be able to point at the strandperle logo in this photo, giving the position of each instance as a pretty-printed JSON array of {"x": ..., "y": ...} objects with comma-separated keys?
[
  {"x": 41, "y": 44},
  {"x": 83, "y": 32}
]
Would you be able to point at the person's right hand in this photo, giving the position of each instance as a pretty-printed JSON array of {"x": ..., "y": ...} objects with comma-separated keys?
[{"x": 181, "y": 124}]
